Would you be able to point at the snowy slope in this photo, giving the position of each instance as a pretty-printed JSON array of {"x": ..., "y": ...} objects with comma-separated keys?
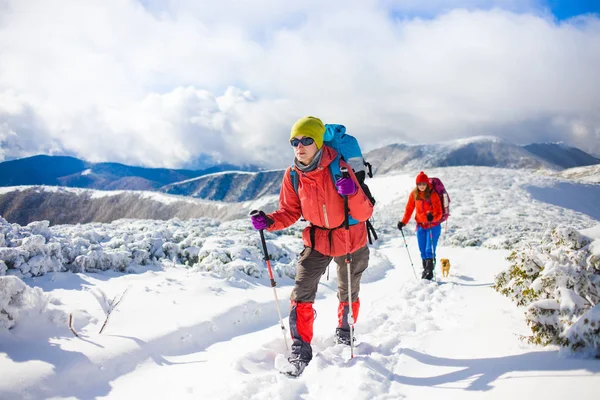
[
  {"x": 184, "y": 334},
  {"x": 229, "y": 186},
  {"x": 62, "y": 205},
  {"x": 210, "y": 329},
  {"x": 493, "y": 207},
  {"x": 590, "y": 174}
]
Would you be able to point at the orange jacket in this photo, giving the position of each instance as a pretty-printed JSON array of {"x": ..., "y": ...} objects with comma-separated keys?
[
  {"x": 423, "y": 206},
  {"x": 320, "y": 204}
]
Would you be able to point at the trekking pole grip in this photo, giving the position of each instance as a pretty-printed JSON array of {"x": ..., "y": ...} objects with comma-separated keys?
[{"x": 254, "y": 213}]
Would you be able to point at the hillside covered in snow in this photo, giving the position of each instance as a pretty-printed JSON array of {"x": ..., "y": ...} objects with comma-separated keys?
[{"x": 196, "y": 301}]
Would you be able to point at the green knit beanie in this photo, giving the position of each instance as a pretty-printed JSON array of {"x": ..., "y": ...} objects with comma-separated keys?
[{"x": 311, "y": 127}]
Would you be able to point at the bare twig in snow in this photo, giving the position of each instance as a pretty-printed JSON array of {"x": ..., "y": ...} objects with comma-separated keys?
[
  {"x": 71, "y": 325},
  {"x": 108, "y": 306},
  {"x": 111, "y": 307}
]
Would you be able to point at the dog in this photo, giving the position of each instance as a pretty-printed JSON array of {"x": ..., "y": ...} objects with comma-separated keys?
[{"x": 445, "y": 267}]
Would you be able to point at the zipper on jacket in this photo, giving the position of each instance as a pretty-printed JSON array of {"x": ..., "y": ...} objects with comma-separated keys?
[{"x": 325, "y": 214}]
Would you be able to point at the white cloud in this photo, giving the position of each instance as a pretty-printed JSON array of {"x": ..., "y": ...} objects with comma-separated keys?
[
  {"x": 159, "y": 82},
  {"x": 21, "y": 132}
]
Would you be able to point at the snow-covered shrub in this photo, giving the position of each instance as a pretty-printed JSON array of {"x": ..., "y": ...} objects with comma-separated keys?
[
  {"x": 516, "y": 281},
  {"x": 16, "y": 297},
  {"x": 40, "y": 228},
  {"x": 558, "y": 280},
  {"x": 584, "y": 335},
  {"x": 191, "y": 255},
  {"x": 131, "y": 245}
]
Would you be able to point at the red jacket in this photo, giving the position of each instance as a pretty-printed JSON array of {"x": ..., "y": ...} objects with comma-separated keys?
[
  {"x": 320, "y": 204},
  {"x": 423, "y": 206}
]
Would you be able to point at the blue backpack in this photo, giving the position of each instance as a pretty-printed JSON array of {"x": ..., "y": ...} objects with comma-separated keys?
[{"x": 347, "y": 149}]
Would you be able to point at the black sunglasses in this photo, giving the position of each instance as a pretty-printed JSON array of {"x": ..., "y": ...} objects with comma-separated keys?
[{"x": 306, "y": 141}]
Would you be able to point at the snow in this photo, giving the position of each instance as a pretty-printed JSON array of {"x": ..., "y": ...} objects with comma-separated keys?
[
  {"x": 569, "y": 300},
  {"x": 585, "y": 330},
  {"x": 491, "y": 207},
  {"x": 97, "y": 194},
  {"x": 212, "y": 175},
  {"x": 475, "y": 139},
  {"x": 589, "y": 174},
  {"x": 559, "y": 194},
  {"x": 199, "y": 318},
  {"x": 16, "y": 298},
  {"x": 86, "y": 172}
]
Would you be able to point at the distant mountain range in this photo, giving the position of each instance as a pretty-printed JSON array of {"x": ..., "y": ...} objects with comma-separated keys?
[
  {"x": 479, "y": 151},
  {"x": 73, "y": 172},
  {"x": 228, "y": 183}
]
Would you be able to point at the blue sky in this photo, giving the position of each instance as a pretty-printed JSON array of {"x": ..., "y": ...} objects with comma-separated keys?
[
  {"x": 567, "y": 9},
  {"x": 560, "y": 9},
  {"x": 167, "y": 81}
]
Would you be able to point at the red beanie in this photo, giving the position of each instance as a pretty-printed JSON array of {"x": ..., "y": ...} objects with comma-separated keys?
[{"x": 422, "y": 178}]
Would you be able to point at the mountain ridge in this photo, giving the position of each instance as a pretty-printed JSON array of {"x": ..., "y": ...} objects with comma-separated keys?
[
  {"x": 73, "y": 172},
  {"x": 487, "y": 151},
  {"x": 228, "y": 183}
]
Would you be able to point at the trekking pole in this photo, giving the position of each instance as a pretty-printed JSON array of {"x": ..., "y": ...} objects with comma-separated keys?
[
  {"x": 273, "y": 283},
  {"x": 411, "y": 263},
  {"x": 345, "y": 174}
]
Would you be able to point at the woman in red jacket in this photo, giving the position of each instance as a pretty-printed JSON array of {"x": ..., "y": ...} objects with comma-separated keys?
[
  {"x": 321, "y": 203},
  {"x": 429, "y": 212}
]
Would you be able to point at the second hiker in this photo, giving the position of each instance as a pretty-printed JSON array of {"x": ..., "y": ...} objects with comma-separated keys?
[
  {"x": 320, "y": 200},
  {"x": 428, "y": 215}
]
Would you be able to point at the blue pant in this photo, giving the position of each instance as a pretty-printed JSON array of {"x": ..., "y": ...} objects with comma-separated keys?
[{"x": 428, "y": 239}]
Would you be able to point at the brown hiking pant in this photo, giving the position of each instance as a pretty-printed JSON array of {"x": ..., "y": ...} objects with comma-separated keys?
[{"x": 312, "y": 265}]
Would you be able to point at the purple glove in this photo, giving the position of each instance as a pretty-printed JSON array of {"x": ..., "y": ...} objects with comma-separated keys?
[
  {"x": 345, "y": 186},
  {"x": 260, "y": 221}
]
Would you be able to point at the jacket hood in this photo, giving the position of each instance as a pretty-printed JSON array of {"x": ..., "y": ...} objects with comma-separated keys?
[{"x": 328, "y": 156}]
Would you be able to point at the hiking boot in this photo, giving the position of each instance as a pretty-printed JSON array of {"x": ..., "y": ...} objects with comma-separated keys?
[
  {"x": 298, "y": 365},
  {"x": 342, "y": 336},
  {"x": 427, "y": 269}
]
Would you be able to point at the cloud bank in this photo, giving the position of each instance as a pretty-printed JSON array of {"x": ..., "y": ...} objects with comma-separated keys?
[{"x": 158, "y": 83}]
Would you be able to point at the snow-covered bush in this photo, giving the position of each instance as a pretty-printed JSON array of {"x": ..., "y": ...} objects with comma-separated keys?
[
  {"x": 226, "y": 255},
  {"x": 16, "y": 297},
  {"x": 558, "y": 280},
  {"x": 135, "y": 245},
  {"x": 584, "y": 335}
]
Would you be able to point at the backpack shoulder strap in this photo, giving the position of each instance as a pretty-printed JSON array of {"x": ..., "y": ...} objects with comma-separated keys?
[
  {"x": 294, "y": 177},
  {"x": 335, "y": 170},
  {"x": 336, "y": 173}
]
